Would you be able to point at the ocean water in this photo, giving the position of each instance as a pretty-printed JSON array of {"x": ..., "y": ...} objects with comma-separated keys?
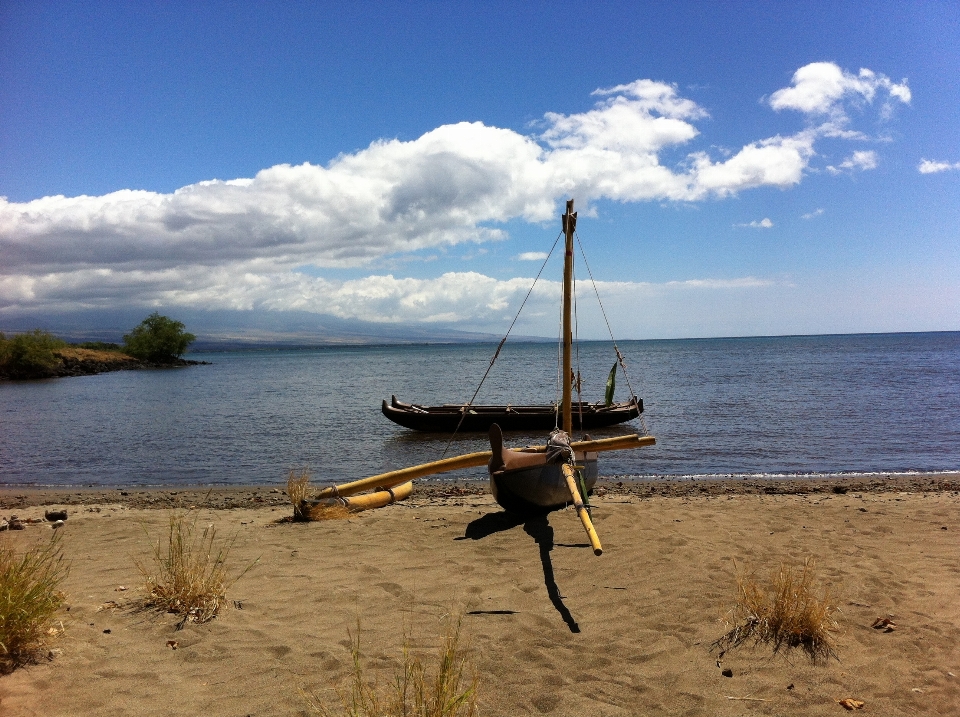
[{"x": 804, "y": 406}]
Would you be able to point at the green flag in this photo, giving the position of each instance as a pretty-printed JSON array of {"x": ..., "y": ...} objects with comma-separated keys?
[{"x": 611, "y": 385}]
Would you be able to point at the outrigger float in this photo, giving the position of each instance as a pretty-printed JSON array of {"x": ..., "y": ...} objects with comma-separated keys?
[{"x": 529, "y": 481}]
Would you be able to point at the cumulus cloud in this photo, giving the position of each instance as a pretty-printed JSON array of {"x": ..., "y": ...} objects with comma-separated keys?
[
  {"x": 453, "y": 297},
  {"x": 860, "y": 160},
  {"x": 929, "y": 166},
  {"x": 764, "y": 223},
  {"x": 532, "y": 256},
  {"x": 239, "y": 243},
  {"x": 812, "y": 215},
  {"x": 824, "y": 89}
]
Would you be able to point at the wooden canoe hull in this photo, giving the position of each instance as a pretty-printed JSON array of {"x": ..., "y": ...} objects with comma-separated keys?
[
  {"x": 446, "y": 419},
  {"x": 539, "y": 489}
]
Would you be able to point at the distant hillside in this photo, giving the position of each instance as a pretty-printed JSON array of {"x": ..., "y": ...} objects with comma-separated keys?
[{"x": 221, "y": 330}]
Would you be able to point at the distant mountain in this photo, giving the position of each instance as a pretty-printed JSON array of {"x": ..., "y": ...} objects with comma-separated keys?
[{"x": 228, "y": 329}]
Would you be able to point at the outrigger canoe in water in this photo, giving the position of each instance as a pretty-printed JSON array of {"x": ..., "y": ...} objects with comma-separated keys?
[{"x": 451, "y": 418}]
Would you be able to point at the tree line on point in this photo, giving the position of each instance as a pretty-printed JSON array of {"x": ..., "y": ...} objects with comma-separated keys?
[{"x": 157, "y": 340}]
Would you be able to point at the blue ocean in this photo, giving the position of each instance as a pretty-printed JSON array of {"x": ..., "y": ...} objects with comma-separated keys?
[{"x": 781, "y": 406}]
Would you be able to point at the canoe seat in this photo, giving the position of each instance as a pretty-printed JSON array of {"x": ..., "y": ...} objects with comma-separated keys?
[{"x": 507, "y": 459}]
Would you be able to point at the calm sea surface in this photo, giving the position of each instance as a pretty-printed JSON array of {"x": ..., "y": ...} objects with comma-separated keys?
[{"x": 718, "y": 407}]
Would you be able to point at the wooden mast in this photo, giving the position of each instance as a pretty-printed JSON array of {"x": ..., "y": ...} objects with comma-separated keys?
[{"x": 569, "y": 224}]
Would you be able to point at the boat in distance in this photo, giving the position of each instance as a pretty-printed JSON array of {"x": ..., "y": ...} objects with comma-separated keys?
[{"x": 450, "y": 418}]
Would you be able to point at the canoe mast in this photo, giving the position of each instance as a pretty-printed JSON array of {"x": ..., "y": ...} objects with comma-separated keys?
[{"x": 569, "y": 225}]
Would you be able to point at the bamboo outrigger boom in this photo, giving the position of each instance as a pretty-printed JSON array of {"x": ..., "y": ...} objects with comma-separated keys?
[
  {"x": 471, "y": 460},
  {"x": 581, "y": 509}
]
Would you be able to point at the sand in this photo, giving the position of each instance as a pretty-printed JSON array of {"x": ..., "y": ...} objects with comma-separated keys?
[{"x": 550, "y": 628}]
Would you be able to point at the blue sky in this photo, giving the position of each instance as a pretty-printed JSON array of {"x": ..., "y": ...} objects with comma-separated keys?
[{"x": 740, "y": 168}]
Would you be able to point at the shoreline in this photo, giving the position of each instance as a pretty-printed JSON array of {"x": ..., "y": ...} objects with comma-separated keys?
[
  {"x": 72, "y": 361},
  {"x": 274, "y": 495}
]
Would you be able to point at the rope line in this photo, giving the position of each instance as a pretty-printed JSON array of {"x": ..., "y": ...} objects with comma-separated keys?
[
  {"x": 576, "y": 343},
  {"x": 558, "y": 392},
  {"x": 496, "y": 354},
  {"x": 620, "y": 359}
]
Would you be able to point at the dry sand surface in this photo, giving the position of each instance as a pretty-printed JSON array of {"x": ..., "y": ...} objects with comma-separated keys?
[{"x": 551, "y": 628}]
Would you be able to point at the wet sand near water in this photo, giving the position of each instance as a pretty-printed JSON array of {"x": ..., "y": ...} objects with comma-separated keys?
[{"x": 220, "y": 497}]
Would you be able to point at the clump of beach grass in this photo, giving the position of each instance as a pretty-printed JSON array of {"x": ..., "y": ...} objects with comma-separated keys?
[
  {"x": 445, "y": 686},
  {"x": 790, "y": 610},
  {"x": 189, "y": 573},
  {"x": 328, "y": 512},
  {"x": 29, "y": 597},
  {"x": 298, "y": 489}
]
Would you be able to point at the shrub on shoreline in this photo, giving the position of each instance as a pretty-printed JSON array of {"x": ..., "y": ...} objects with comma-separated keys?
[{"x": 30, "y": 355}]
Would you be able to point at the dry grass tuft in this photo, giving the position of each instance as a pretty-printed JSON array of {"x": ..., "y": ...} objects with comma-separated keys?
[
  {"x": 789, "y": 611},
  {"x": 298, "y": 489},
  {"x": 418, "y": 690},
  {"x": 328, "y": 512},
  {"x": 29, "y": 597},
  {"x": 189, "y": 574},
  {"x": 82, "y": 354}
]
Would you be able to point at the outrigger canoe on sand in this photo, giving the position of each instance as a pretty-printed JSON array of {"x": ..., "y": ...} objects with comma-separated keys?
[{"x": 529, "y": 480}]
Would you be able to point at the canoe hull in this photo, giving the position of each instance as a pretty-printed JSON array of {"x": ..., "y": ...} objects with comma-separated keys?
[
  {"x": 539, "y": 489},
  {"x": 446, "y": 419}
]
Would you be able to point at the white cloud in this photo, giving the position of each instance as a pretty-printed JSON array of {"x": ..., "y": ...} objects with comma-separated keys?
[
  {"x": 764, "y": 223},
  {"x": 812, "y": 215},
  {"x": 532, "y": 256},
  {"x": 747, "y": 282},
  {"x": 929, "y": 166},
  {"x": 821, "y": 88},
  {"x": 863, "y": 160},
  {"x": 454, "y": 297},
  {"x": 777, "y": 162},
  {"x": 860, "y": 160},
  {"x": 239, "y": 243}
]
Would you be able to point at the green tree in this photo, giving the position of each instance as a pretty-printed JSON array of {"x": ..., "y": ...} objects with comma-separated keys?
[
  {"x": 30, "y": 355},
  {"x": 159, "y": 339}
]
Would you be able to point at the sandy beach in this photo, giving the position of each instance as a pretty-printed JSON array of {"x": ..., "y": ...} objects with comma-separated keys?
[{"x": 549, "y": 627}]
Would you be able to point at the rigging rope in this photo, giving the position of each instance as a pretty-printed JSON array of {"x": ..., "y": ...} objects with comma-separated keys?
[
  {"x": 496, "y": 354},
  {"x": 558, "y": 392},
  {"x": 620, "y": 358},
  {"x": 576, "y": 342}
]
